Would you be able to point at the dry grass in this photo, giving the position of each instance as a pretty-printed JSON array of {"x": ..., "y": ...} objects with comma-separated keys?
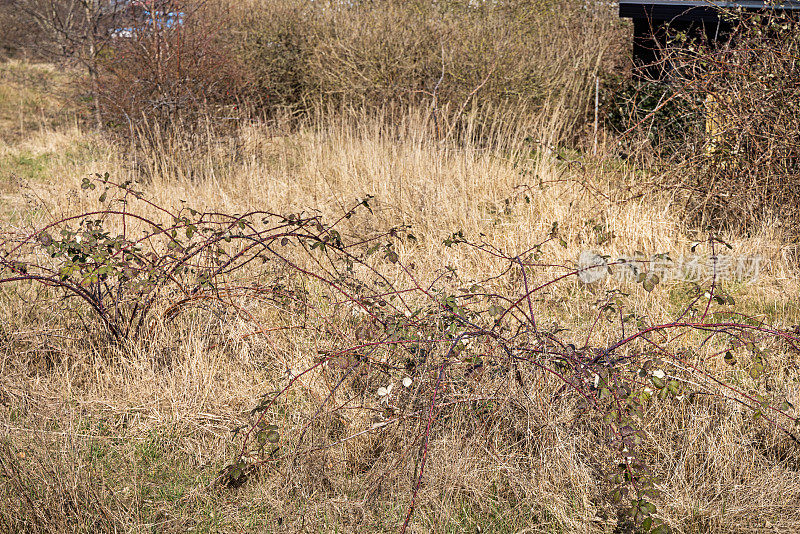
[{"x": 102, "y": 438}]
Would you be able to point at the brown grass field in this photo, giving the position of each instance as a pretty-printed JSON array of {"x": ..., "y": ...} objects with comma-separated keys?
[{"x": 98, "y": 436}]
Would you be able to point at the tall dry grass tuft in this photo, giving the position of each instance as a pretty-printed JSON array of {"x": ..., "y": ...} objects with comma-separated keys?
[{"x": 61, "y": 492}]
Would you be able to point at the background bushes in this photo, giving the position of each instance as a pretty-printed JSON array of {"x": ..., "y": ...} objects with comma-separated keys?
[
  {"x": 470, "y": 62},
  {"x": 720, "y": 132},
  {"x": 268, "y": 57},
  {"x": 447, "y": 55},
  {"x": 17, "y": 32}
]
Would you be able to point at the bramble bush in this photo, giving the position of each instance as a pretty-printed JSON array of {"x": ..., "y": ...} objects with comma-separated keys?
[
  {"x": 400, "y": 356},
  {"x": 725, "y": 123},
  {"x": 748, "y": 171}
]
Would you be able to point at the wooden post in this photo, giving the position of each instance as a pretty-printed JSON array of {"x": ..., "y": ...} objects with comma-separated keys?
[{"x": 596, "y": 110}]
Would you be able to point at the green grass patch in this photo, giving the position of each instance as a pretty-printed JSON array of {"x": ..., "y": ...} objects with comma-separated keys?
[{"x": 26, "y": 166}]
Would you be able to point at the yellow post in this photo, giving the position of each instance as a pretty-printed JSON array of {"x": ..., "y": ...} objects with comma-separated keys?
[{"x": 716, "y": 122}]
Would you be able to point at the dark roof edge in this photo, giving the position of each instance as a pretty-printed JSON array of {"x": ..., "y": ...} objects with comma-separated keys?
[{"x": 693, "y": 10}]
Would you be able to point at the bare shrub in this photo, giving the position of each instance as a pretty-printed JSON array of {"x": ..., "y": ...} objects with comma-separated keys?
[
  {"x": 18, "y": 33},
  {"x": 175, "y": 64},
  {"x": 449, "y": 56}
]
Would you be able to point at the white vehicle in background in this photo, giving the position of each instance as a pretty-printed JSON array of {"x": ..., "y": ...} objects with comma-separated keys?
[{"x": 144, "y": 17}]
